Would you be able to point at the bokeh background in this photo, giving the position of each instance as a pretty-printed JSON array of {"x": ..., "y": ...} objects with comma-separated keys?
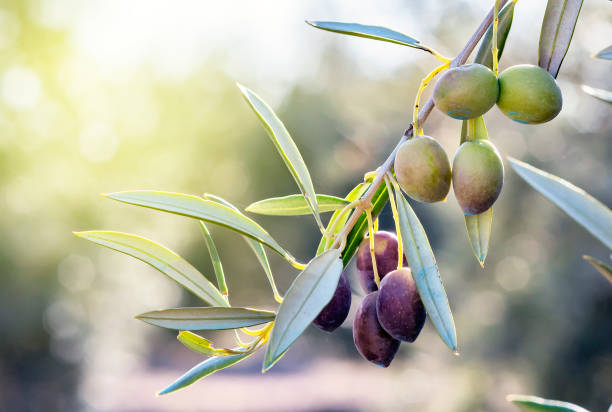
[{"x": 110, "y": 95}]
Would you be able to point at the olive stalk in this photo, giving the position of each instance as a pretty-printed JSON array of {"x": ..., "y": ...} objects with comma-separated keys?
[
  {"x": 418, "y": 130},
  {"x": 424, "y": 112},
  {"x": 494, "y": 49},
  {"x": 400, "y": 245},
  {"x": 372, "y": 251}
]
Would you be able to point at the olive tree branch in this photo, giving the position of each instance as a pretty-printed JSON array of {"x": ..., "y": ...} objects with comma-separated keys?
[{"x": 366, "y": 199}]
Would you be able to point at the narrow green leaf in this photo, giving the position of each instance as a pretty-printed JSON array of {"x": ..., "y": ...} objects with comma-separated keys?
[
  {"x": 216, "y": 260},
  {"x": 204, "y": 369},
  {"x": 201, "y": 345},
  {"x": 286, "y": 148},
  {"x": 605, "y": 270},
  {"x": 198, "y": 208},
  {"x": 338, "y": 221},
  {"x": 605, "y": 54},
  {"x": 478, "y": 226},
  {"x": 557, "y": 30},
  {"x": 355, "y": 236},
  {"x": 208, "y": 318},
  {"x": 162, "y": 259},
  {"x": 593, "y": 215},
  {"x": 534, "y": 404},
  {"x": 484, "y": 55},
  {"x": 600, "y": 94},
  {"x": 294, "y": 205},
  {"x": 425, "y": 272},
  {"x": 368, "y": 32},
  {"x": 479, "y": 232},
  {"x": 311, "y": 290},
  {"x": 257, "y": 247}
]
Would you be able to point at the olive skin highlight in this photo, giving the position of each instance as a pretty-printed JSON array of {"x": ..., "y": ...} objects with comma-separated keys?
[
  {"x": 399, "y": 307},
  {"x": 385, "y": 252},
  {"x": 371, "y": 340},
  {"x": 528, "y": 94},
  {"x": 478, "y": 176},
  {"x": 336, "y": 311},
  {"x": 466, "y": 92},
  {"x": 423, "y": 170}
]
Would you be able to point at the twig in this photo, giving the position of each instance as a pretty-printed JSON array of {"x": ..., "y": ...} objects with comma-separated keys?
[{"x": 460, "y": 59}]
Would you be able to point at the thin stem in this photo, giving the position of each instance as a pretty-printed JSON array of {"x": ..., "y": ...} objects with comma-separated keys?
[
  {"x": 471, "y": 131},
  {"x": 295, "y": 263},
  {"x": 418, "y": 131},
  {"x": 372, "y": 247},
  {"x": 494, "y": 49},
  {"x": 423, "y": 114},
  {"x": 437, "y": 55},
  {"x": 398, "y": 230}
]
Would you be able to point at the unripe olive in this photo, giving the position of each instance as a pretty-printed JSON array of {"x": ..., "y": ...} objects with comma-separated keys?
[
  {"x": 371, "y": 340},
  {"x": 529, "y": 94},
  {"x": 385, "y": 253},
  {"x": 478, "y": 176},
  {"x": 423, "y": 170},
  {"x": 399, "y": 308},
  {"x": 336, "y": 311},
  {"x": 466, "y": 92}
]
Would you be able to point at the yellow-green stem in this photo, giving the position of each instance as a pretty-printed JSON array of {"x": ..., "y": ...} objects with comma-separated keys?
[
  {"x": 415, "y": 115},
  {"x": 398, "y": 231},
  {"x": 372, "y": 250},
  {"x": 494, "y": 50}
]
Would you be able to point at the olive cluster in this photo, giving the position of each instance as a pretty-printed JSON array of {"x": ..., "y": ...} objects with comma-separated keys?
[
  {"x": 390, "y": 313},
  {"x": 525, "y": 93}
]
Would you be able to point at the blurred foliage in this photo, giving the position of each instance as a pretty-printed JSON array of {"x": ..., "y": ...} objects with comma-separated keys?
[{"x": 73, "y": 125}]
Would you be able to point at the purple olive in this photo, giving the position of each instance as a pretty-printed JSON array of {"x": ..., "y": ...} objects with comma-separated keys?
[
  {"x": 399, "y": 308},
  {"x": 336, "y": 311},
  {"x": 385, "y": 251},
  {"x": 371, "y": 340}
]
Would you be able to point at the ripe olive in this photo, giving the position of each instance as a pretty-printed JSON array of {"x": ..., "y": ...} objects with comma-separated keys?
[
  {"x": 466, "y": 92},
  {"x": 423, "y": 170},
  {"x": 336, "y": 311},
  {"x": 529, "y": 94},
  {"x": 371, "y": 340},
  {"x": 400, "y": 310},
  {"x": 385, "y": 253}
]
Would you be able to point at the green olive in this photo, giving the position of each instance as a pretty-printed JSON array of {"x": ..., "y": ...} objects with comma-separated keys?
[
  {"x": 528, "y": 94},
  {"x": 466, "y": 92},
  {"x": 423, "y": 170},
  {"x": 478, "y": 176}
]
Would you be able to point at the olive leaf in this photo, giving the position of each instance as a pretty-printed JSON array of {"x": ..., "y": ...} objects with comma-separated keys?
[
  {"x": 484, "y": 55},
  {"x": 479, "y": 226},
  {"x": 600, "y": 94},
  {"x": 162, "y": 259},
  {"x": 204, "y": 369},
  {"x": 593, "y": 215},
  {"x": 605, "y": 54},
  {"x": 357, "y": 233},
  {"x": 257, "y": 247},
  {"x": 311, "y": 290},
  {"x": 338, "y": 221},
  {"x": 198, "y": 208},
  {"x": 556, "y": 35},
  {"x": 286, "y": 148},
  {"x": 368, "y": 32},
  {"x": 208, "y": 318},
  {"x": 605, "y": 270},
  {"x": 534, "y": 404},
  {"x": 216, "y": 261},
  {"x": 201, "y": 345},
  {"x": 294, "y": 205},
  {"x": 425, "y": 272},
  {"x": 479, "y": 232}
]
